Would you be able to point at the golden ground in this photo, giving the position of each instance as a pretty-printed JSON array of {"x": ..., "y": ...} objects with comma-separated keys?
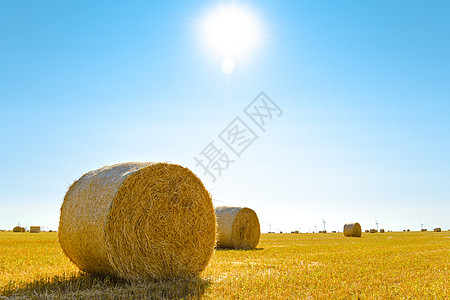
[{"x": 413, "y": 265}]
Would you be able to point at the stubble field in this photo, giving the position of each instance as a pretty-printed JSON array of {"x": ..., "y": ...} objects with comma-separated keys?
[{"x": 393, "y": 265}]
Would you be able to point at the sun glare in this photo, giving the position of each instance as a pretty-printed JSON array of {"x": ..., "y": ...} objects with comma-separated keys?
[
  {"x": 228, "y": 65},
  {"x": 231, "y": 32}
]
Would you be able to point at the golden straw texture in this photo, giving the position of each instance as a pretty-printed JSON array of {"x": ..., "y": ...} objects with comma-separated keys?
[
  {"x": 352, "y": 229},
  {"x": 138, "y": 221},
  {"x": 237, "y": 227}
]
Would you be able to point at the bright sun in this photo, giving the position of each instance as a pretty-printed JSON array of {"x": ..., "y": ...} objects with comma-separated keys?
[{"x": 231, "y": 32}]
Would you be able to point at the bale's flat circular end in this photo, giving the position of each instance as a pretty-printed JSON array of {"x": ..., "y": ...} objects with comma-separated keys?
[
  {"x": 139, "y": 221},
  {"x": 246, "y": 230},
  {"x": 161, "y": 224},
  {"x": 352, "y": 229}
]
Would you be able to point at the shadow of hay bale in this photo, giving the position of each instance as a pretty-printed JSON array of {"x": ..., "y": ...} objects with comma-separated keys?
[
  {"x": 232, "y": 249},
  {"x": 86, "y": 286}
]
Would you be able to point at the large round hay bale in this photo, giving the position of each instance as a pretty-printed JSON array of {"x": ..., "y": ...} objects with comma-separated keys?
[
  {"x": 237, "y": 227},
  {"x": 352, "y": 229},
  {"x": 18, "y": 229},
  {"x": 138, "y": 221}
]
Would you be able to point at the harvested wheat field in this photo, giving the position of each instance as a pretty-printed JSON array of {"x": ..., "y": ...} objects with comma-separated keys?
[{"x": 393, "y": 265}]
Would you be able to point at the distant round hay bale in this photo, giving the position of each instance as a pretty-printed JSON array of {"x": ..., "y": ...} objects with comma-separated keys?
[
  {"x": 138, "y": 221},
  {"x": 35, "y": 229},
  {"x": 437, "y": 229},
  {"x": 381, "y": 230},
  {"x": 373, "y": 230},
  {"x": 237, "y": 227},
  {"x": 18, "y": 229},
  {"x": 352, "y": 229}
]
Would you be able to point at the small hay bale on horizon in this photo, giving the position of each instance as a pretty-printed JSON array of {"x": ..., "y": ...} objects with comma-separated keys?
[
  {"x": 138, "y": 221},
  {"x": 35, "y": 229},
  {"x": 237, "y": 228},
  {"x": 381, "y": 230},
  {"x": 373, "y": 230},
  {"x": 18, "y": 229},
  {"x": 423, "y": 229},
  {"x": 352, "y": 230},
  {"x": 437, "y": 229}
]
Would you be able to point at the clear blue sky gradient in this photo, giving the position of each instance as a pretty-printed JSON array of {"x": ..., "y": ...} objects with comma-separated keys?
[{"x": 364, "y": 86}]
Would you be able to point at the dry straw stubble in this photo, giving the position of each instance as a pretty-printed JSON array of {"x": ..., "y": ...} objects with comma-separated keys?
[
  {"x": 237, "y": 227},
  {"x": 138, "y": 221}
]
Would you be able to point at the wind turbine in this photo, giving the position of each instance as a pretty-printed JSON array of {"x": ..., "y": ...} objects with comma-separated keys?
[
  {"x": 421, "y": 225},
  {"x": 315, "y": 226},
  {"x": 270, "y": 228},
  {"x": 323, "y": 220},
  {"x": 376, "y": 222}
]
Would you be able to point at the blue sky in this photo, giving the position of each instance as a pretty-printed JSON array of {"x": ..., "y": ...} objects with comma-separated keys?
[{"x": 364, "y": 87}]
